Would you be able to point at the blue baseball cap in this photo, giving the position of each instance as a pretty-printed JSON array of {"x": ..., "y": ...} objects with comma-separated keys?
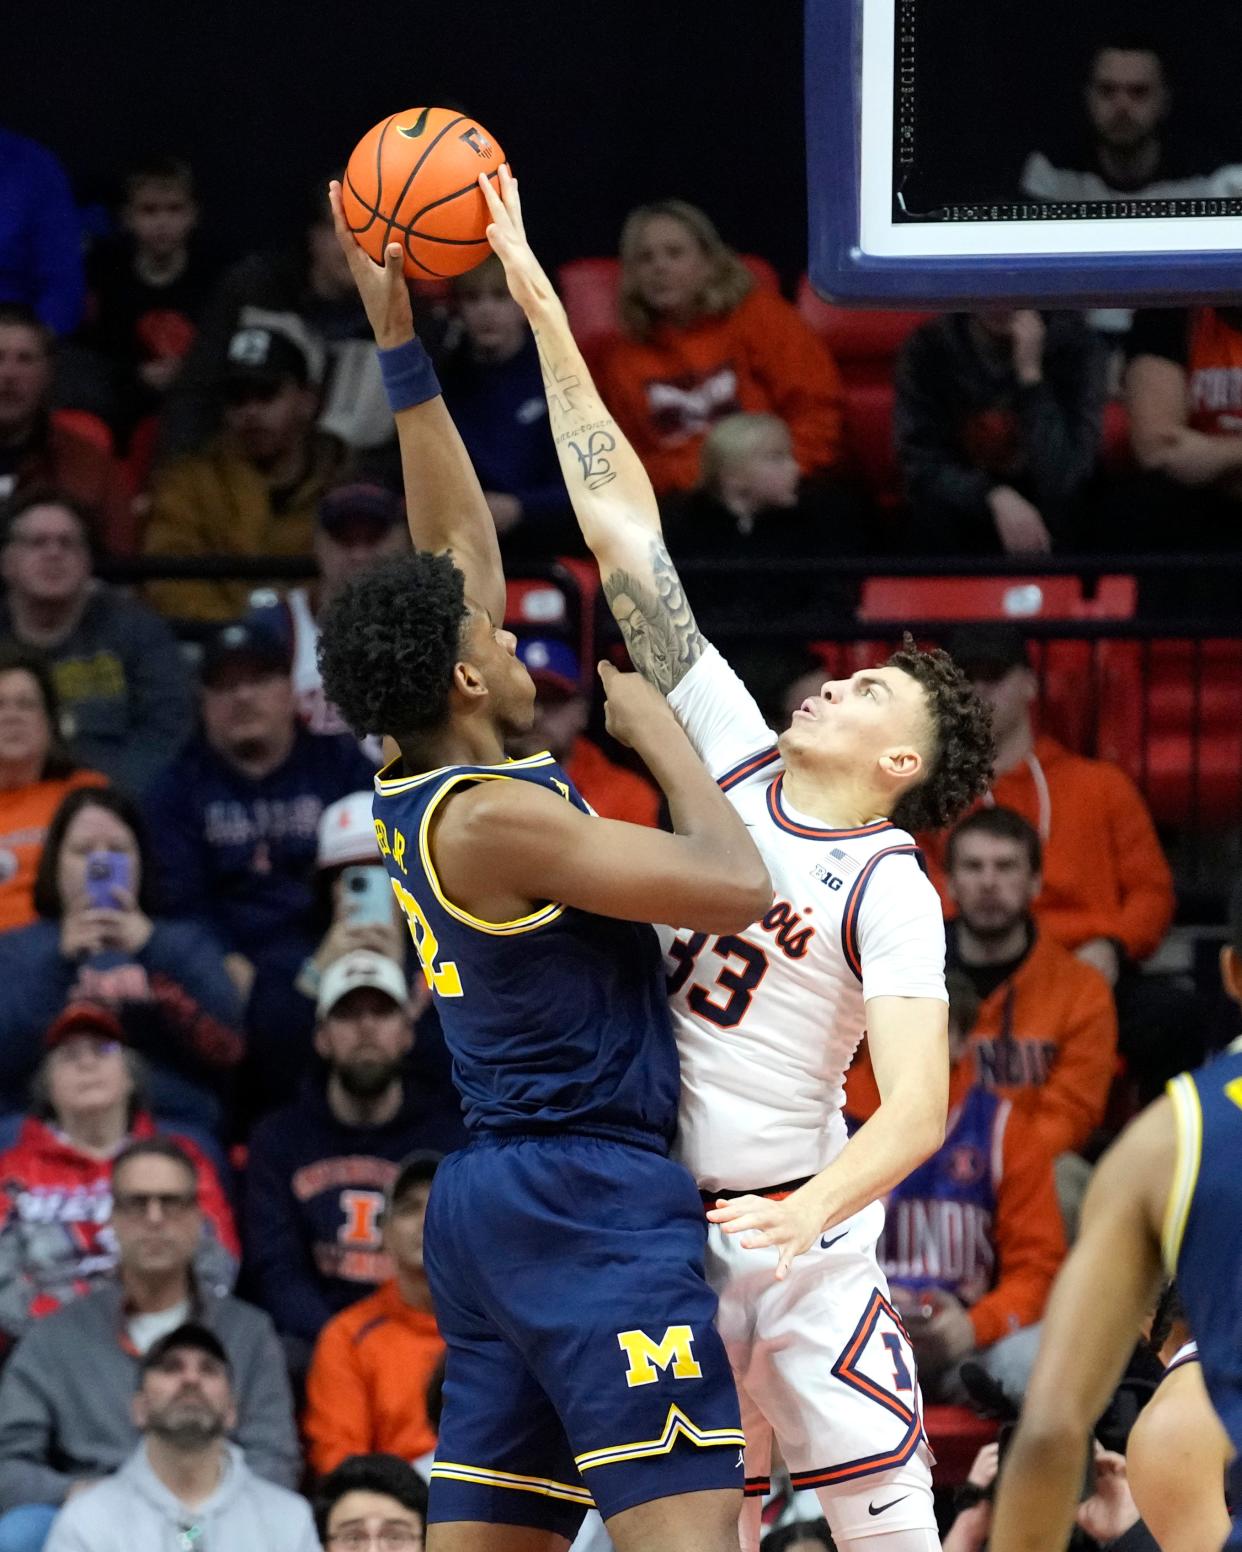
[{"x": 551, "y": 662}]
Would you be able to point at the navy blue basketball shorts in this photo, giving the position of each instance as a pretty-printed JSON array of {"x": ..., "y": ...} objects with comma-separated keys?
[{"x": 583, "y": 1365}]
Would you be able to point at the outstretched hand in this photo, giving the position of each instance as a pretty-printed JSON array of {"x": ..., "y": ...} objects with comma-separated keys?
[
  {"x": 529, "y": 286},
  {"x": 789, "y": 1227},
  {"x": 382, "y": 287}
]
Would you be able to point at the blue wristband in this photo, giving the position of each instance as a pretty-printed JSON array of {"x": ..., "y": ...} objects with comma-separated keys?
[{"x": 409, "y": 377}]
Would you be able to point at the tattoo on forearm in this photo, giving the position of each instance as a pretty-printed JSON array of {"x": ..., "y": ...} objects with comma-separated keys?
[
  {"x": 596, "y": 469},
  {"x": 656, "y": 621},
  {"x": 560, "y": 383}
]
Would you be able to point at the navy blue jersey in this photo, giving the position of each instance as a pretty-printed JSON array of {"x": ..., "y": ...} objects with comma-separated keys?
[
  {"x": 556, "y": 1020},
  {"x": 1203, "y": 1225}
]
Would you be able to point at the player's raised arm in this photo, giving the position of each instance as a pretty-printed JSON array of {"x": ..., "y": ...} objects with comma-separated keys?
[
  {"x": 1104, "y": 1289},
  {"x": 611, "y": 493},
  {"x": 444, "y": 501}
]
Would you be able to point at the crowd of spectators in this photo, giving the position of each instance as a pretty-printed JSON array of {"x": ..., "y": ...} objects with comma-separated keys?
[{"x": 208, "y": 1005}]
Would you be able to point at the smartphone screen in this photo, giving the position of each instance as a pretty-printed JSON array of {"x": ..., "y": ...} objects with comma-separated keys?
[
  {"x": 109, "y": 877},
  {"x": 366, "y": 896}
]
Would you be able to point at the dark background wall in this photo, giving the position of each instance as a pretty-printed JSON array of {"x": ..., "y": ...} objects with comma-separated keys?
[{"x": 599, "y": 106}]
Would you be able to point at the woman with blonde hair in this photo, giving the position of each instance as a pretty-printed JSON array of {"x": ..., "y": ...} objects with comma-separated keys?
[{"x": 701, "y": 341}]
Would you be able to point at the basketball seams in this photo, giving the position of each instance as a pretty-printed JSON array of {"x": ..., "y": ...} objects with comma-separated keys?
[
  {"x": 407, "y": 230},
  {"x": 445, "y": 199},
  {"x": 414, "y": 171}
]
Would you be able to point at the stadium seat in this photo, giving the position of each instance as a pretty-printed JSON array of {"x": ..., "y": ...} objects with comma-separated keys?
[
  {"x": 589, "y": 287},
  {"x": 82, "y": 423},
  {"x": 141, "y": 453},
  {"x": 956, "y": 1436},
  {"x": 869, "y": 442},
  {"x": 971, "y": 598},
  {"x": 864, "y": 343},
  {"x": 1171, "y": 717}
]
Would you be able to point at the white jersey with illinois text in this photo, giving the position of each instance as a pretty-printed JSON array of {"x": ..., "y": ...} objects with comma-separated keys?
[{"x": 768, "y": 1020}]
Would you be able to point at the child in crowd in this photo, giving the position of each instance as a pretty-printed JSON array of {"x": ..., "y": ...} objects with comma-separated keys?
[{"x": 148, "y": 289}]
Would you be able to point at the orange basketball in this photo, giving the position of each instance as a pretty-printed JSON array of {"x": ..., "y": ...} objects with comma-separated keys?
[{"x": 414, "y": 179}]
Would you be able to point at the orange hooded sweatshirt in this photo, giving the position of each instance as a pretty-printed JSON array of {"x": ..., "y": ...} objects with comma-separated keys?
[
  {"x": 1105, "y": 875},
  {"x": 1046, "y": 1039},
  {"x": 367, "y": 1386},
  {"x": 667, "y": 391}
]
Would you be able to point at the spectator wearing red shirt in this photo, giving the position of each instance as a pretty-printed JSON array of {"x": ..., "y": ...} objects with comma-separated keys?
[
  {"x": 37, "y": 453},
  {"x": 702, "y": 341},
  {"x": 367, "y": 1386},
  {"x": 56, "y": 1242},
  {"x": 562, "y": 709}
]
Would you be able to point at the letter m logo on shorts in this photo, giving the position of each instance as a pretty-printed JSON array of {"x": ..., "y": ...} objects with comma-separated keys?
[{"x": 675, "y": 1347}]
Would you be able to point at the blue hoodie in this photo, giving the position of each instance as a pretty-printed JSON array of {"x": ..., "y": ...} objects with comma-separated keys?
[{"x": 40, "y": 234}]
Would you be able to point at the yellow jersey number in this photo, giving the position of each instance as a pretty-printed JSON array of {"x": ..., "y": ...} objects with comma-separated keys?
[{"x": 443, "y": 979}]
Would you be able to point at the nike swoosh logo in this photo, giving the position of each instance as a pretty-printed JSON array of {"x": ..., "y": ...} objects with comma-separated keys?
[
  {"x": 825, "y": 1243},
  {"x": 415, "y": 129},
  {"x": 872, "y": 1509}
]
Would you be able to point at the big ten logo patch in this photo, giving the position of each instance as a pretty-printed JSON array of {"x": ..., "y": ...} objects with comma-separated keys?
[
  {"x": 361, "y": 1214},
  {"x": 648, "y": 1359}
]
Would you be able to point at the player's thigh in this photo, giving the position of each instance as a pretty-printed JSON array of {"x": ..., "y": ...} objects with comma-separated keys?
[
  {"x": 613, "y": 1313},
  {"x": 502, "y": 1456},
  {"x": 478, "y": 1536},
  {"x": 689, "y": 1522}
]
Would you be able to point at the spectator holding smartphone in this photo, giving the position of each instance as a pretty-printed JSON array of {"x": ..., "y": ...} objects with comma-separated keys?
[{"x": 101, "y": 936}]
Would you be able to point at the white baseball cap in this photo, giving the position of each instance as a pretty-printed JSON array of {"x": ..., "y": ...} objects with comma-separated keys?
[
  {"x": 361, "y": 967},
  {"x": 347, "y": 832}
]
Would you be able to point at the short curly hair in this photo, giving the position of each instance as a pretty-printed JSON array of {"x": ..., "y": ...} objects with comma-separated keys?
[
  {"x": 960, "y": 765},
  {"x": 388, "y": 643}
]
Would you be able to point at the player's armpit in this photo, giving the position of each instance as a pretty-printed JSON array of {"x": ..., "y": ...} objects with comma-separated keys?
[{"x": 504, "y": 848}]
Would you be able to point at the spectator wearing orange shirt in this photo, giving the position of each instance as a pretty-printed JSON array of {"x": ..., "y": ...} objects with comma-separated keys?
[
  {"x": 1045, "y": 1034},
  {"x": 367, "y": 1385},
  {"x": 1107, "y": 892},
  {"x": 702, "y": 341},
  {"x": 36, "y": 771},
  {"x": 561, "y": 712},
  {"x": 973, "y": 1238}
]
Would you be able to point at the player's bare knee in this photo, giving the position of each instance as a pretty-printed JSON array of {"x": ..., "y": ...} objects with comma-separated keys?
[{"x": 690, "y": 1522}]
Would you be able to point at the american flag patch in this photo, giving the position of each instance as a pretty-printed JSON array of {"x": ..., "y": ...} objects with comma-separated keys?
[{"x": 844, "y": 863}]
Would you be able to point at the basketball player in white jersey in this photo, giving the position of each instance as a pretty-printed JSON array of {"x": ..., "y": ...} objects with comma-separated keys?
[{"x": 768, "y": 1020}]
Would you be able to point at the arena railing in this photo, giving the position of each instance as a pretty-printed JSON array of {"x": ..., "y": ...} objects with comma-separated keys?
[{"x": 1159, "y": 694}]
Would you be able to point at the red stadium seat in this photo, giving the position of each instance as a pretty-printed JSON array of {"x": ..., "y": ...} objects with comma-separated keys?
[
  {"x": 971, "y": 598},
  {"x": 869, "y": 441},
  {"x": 1116, "y": 452},
  {"x": 1171, "y": 717},
  {"x": 864, "y": 343},
  {"x": 81, "y": 423},
  {"x": 956, "y": 1436},
  {"x": 589, "y": 287}
]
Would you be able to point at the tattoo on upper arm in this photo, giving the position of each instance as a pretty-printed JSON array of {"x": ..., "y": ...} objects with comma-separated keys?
[{"x": 656, "y": 620}]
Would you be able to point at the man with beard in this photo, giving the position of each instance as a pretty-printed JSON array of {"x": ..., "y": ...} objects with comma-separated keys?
[
  {"x": 373, "y": 1364},
  {"x": 185, "y": 1479},
  {"x": 319, "y": 1170},
  {"x": 1045, "y": 1036}
]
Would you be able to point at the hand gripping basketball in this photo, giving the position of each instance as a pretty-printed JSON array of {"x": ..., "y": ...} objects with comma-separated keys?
[
  {"x": 529, "y": 286},
  {"x": 382, "y": 287}
]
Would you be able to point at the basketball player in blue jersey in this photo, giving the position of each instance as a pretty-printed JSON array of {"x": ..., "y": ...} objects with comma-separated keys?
[
  {"x": 564, "y": 1247},
  {"x": 1169, "y": 1189}
]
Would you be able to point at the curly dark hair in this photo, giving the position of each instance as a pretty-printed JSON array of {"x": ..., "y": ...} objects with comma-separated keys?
[
  {"x": 389, "y": 641},
  {"x": 960, "y": 766}
]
